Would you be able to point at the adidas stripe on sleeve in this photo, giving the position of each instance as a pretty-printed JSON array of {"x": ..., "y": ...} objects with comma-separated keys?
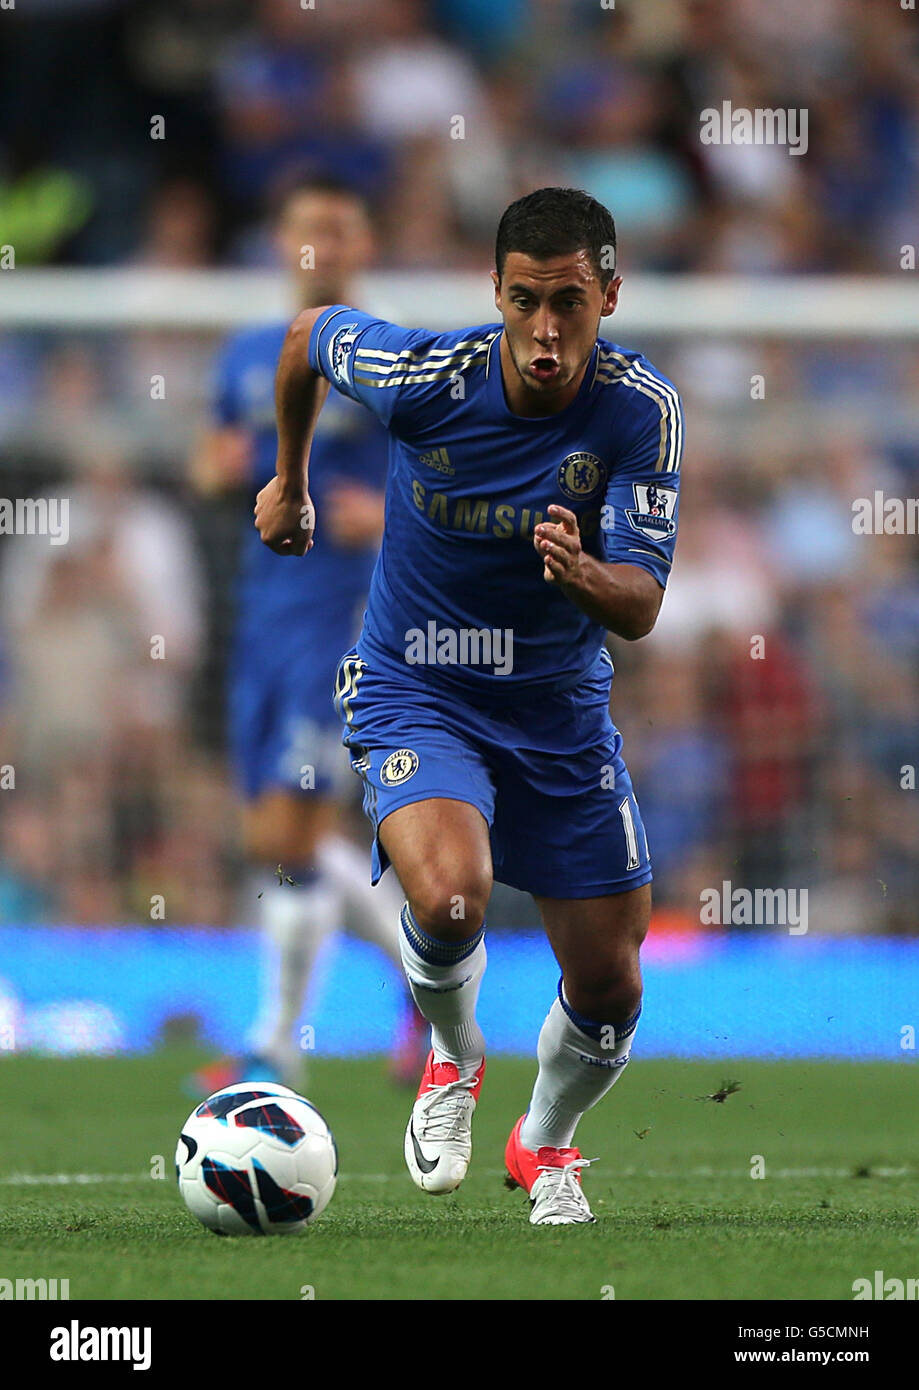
[
  {"x": 642, "y": 499},
  {"x": 387, "y": 368}
]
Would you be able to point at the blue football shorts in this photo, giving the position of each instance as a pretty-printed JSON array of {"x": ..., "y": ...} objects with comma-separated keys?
[
  {"x": 546, "y": 773},
  {"x": 283, "y": 731}
]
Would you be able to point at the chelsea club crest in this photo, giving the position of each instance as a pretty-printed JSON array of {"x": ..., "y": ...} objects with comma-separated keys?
[
  {"x": 581, "y": 476},
  {"x": 399, "y": 767}
]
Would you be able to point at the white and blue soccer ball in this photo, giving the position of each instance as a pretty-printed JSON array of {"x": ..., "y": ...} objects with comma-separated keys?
[{"x": 256, "y": 1159}]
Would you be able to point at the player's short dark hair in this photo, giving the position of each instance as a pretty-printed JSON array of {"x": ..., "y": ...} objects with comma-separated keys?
[
  {"x": 557, "y": 222},
  {"x": 300, "y": 184}
]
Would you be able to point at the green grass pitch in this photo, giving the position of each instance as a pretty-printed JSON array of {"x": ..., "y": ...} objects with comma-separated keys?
[{"x": 679, "y": 1216}]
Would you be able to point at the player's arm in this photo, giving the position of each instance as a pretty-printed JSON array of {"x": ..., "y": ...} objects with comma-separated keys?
[
  {"x": 376, "y": 363},
  {"x": 623, "y": 589},
  {"x": 221, "y": 460},
  {"x": 623, "y": 597},
  {"x": 283, "y": 511}
]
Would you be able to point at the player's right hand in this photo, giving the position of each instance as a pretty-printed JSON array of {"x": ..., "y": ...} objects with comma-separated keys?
[{"x": 285, "y": 521}]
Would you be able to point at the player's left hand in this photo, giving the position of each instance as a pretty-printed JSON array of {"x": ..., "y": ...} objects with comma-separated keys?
[{"x": 558, "y": 542}]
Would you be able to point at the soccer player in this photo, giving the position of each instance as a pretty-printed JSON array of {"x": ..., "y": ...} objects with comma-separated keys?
[
  {"x": 531, "y": 507},
  {"x": 291, "y": 627}
]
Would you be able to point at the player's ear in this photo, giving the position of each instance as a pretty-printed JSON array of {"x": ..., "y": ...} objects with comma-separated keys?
[
  {"x": 497, "y": 284},
  {"x": 611, "y": 297}
]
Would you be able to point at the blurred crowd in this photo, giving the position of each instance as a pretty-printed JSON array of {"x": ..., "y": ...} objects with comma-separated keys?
[
  {"x": 152, "y": 133},
  {"x": 783, "y": 767},
  {"x": 772, "y": 717}
]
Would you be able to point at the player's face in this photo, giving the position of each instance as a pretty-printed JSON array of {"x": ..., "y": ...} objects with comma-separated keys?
[
  {"x": 551, "y": 311},
  {"x": 330, "y": 231}
]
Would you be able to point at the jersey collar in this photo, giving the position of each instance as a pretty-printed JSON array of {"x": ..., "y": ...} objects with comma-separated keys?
[{"x": 495, "y": 388}]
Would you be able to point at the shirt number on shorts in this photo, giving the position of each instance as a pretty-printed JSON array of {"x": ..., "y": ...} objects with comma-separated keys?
[{"x": 631, "y": 839}]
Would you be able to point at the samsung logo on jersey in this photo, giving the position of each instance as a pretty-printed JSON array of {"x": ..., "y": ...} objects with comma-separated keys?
[{"x": 484, "y": 517}]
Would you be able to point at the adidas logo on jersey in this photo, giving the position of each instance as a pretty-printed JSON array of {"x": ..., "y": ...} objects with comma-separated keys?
[{"x": 439, "y": 459}]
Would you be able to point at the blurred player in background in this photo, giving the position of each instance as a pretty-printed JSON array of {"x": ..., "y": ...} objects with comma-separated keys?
[{"x": 291, "y": 628}]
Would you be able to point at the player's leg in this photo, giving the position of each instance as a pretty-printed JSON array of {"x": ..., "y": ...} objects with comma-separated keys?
[
  {"x": 283, "y": 827},
  {"x": 299, "y": 908},
  {"x": 440, "y": 851},
  {"x": 584, "y": 1044},
  {"x": 430, "y": 798},
  {"x": 291, "y": 829},
  {"x": 371, "y": 913},
  {"x": 586, "y": 1038},
  {"x": 292, "y": 751},
  {"x": 276, "y": 709},
  {"x": 568, "y": 828}
]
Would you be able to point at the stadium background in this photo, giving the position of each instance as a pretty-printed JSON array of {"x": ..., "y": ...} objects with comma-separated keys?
[{"x": 778, "y": 772}]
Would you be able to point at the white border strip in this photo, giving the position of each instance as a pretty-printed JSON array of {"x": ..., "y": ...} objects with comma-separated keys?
[{"x": 799, "y": 306}]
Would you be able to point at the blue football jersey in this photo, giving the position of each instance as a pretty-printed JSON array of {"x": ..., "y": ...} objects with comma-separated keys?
[
  {"x": 469, "y": 481},
  {"x": 350, "y": 445}
]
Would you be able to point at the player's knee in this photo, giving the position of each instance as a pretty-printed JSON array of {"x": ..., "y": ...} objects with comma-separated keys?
[
  {"x": 283, "y": 830},
  {"x": 273, "y": 845},
  {"x": 450, "y": 907},
  {"x": 610, "y": 994},
  {"x": 260, "y": 845}
]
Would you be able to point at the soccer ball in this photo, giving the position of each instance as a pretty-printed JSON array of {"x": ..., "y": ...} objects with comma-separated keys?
[{"x": 256, "y": 1159}]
